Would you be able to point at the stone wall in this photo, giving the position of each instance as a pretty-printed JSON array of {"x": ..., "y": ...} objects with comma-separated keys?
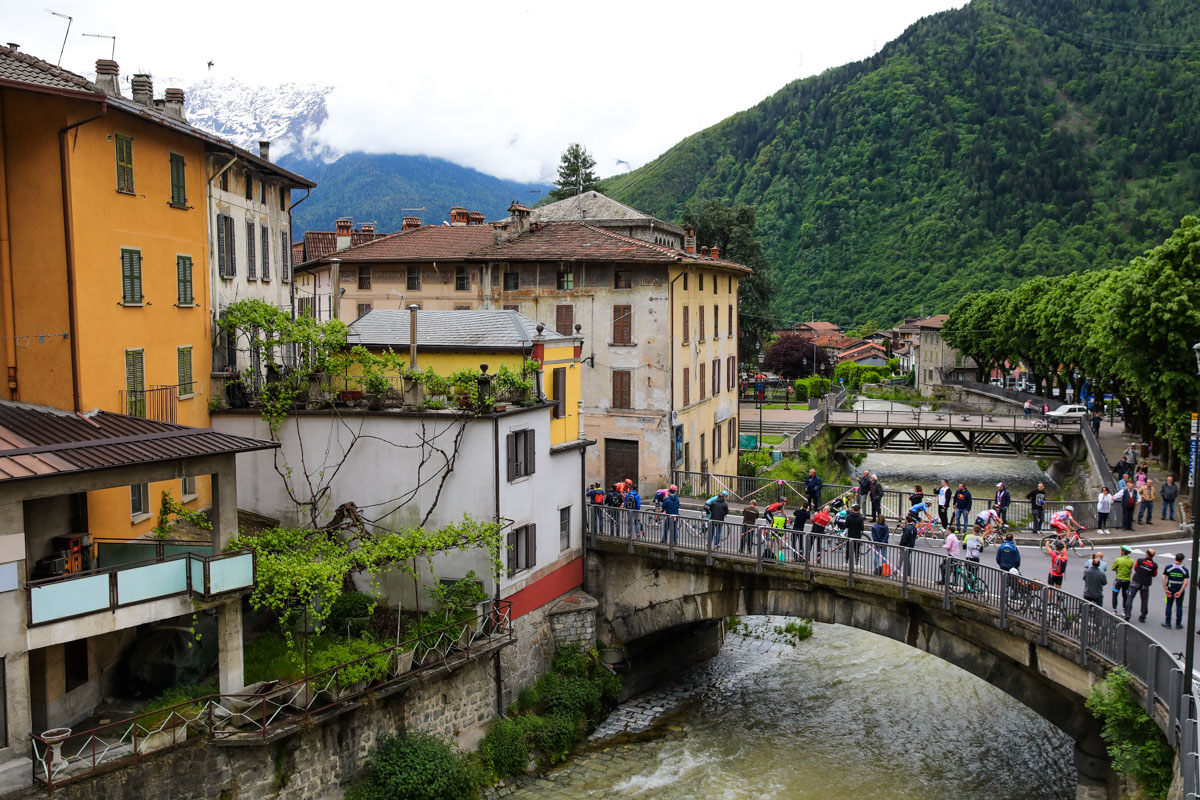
[{"x": 573, "y": 619}]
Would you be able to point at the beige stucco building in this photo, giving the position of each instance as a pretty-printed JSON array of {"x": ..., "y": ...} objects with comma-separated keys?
[{"x": 659, "y": 323}]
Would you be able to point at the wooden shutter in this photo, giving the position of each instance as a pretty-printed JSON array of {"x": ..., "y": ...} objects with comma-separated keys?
[
  {"x": 716, "y": 377},
  {"x": 716, "y": 316},
  {"x": 251, "y": 270},
  {"x": 131, "y": 276},
  {"x": 703, "y": 383},
  {"x": 512, "y": 548},
  {"x": 183, "y": 273},
  {"x": 184, "y": 364},
  {"x": 621, "y": 384},
  {"x": 531, "y": 544},
  {"x": 700, "y": 323},
  {"x": 687, "y": 385},
  {"x": 529, "y": 451},
  {"x": 729, "y": 327},
  {"x": 560, "y": 392},
  {"x": 221, "y": 266},
  {"x": 178, "y": 181},
  {"x": 564, "y": 319},
  {"x": 124, "y": 148},
  {"x": 622, "y": 327},
  {"x": 266, "y": 253},
  {"x": 285, "y": 257},
  {"x": 511, "y": 440},
  {"x": 135, "y": 384},
  {"x": 685, "y": 323}
]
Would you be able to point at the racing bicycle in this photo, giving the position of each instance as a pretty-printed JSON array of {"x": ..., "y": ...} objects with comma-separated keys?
[{"x": 1076, "y": 542}]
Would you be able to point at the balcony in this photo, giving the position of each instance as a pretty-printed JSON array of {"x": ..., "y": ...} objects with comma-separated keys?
[
  {"x": 188, "y": 576},
  {"x": 157, "y": 403}
]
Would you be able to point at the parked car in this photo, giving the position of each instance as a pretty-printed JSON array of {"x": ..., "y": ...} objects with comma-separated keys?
[{"x": 1068, "y": 412}]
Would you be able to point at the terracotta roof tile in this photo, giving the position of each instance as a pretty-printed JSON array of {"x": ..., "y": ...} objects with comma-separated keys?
[
  {"x": 444, "y": 242},
  {"x": 22, "y": 68}
]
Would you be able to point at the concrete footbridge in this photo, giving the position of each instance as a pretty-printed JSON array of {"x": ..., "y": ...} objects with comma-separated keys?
[
  {"x": 955, "y": 433},
  {"x": 652, "y": 573}
]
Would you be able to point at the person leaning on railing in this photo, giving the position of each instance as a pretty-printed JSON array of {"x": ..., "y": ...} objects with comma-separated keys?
[{"x": 670, "y": 507}]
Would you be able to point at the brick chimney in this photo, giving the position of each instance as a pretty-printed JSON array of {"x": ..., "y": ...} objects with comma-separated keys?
[
  {"x": 367, "y": 227},
  {"x": 411, "y": 223},
  {"x": 344, "y": 226},
  {"x": 518, "y": 216},
  {"x": 458, "y": 216},
  {"x": 689, "y": 241},
  {"x": 173, "y": 105},
  {"x": 704, "y": 251},
  {"x": 264, "y": 149},
  {"x": 716, "y": 251},
  {"x": 143, "y": 89},
  {"x": 107, "y": 74}
]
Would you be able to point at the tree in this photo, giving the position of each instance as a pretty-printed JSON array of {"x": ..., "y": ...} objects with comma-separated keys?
[
  {"x": 792, "y": 356},
  {"x": 575, "y": 174},
  {"x": 733, "y": 229}
]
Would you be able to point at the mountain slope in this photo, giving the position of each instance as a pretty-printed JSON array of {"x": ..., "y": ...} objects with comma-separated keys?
[
  {"x": 378, "y": 188},
  {"x": 288, "y": 116},
  {"x": 983, "y": 146}
]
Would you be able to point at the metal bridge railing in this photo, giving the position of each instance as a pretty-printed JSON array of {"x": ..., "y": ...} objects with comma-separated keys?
[{"x": 1101, "y": 639}]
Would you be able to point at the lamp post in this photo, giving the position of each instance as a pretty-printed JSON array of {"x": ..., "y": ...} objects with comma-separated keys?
[
  {"x": 761, "y": 394},
  {"x": 1190, "y": 656}
]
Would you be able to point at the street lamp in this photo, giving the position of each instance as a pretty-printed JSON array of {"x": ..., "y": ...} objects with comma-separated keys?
[
  {"x": 1190, "y": 657},
  {"x": 760, "y": 393}
]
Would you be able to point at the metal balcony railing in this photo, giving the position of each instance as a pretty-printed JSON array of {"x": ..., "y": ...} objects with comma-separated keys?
[{"x": 158, "y": 403}]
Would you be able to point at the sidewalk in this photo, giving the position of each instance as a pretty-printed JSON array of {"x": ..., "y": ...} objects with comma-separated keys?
[{"x": 1113, "y": 440}]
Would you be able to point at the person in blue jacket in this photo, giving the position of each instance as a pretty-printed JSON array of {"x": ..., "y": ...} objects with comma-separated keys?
[
  {"x": 812, "y": 487},
  {"x": 1008, "y": 556},
  {"x": 670, "y": 507}
]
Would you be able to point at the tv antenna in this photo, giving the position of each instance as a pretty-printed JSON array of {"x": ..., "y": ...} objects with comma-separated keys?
[
  {"x": 113, "y": 55},
  {"x": 69, "y": 19}
]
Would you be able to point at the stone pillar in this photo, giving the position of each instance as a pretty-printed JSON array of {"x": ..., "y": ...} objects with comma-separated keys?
[
  {"x": 1093, "y": 769},
  {"x": 224, "y": 503},
  {"x": 573, "y": 619},
  {"x": 231, "y": 671}
]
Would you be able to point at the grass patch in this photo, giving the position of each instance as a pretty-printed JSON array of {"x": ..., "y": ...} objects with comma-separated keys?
[
  {"x": 780, "y": 406},
  {"x": 772, "y": 439}
]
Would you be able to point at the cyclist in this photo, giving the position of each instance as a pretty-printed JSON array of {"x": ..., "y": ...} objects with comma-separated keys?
[
  {"x": 1063, "y": 522},
  {"x": 919, "y": 509},
  {"x": 990, "y": 521},
  {"x": 1058, "y": 563}
]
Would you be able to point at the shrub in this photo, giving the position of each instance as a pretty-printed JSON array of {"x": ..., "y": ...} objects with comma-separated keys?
[
  {"x": 415, "y": 766},
  {"x": 1134, "y": 742},
  {"x": 504, "y": 750},
  {"x": 327, "y": 652},
  {"x": 750, "y": 464},
  {"x": 352, "y": 604},
  {"x": 269, "y": 658}
]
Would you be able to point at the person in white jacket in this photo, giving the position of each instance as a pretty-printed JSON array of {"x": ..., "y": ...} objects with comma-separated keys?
[{"x": 1104, "y": 503}]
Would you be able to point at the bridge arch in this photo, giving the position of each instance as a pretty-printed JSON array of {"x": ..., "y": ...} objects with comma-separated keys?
[{"x": 643, "y": 592}]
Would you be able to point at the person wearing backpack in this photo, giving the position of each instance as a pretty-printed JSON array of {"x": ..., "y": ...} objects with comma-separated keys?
[
  {"x": 1144, "y": 573},
  {"x": 633, "y": 502},
  {"x": 1175, "y": 581},
  {"x": 595, "y": 496},
  {"x": 1058, "y": 564},
  {"x": 908, "y": 540},
  {"x": 749, "y": 521},
  {"x": 880, "y": 536},
  {"x": 718, "y": 509},
  {"x": 613, "y": 499},
  {"x": 855, "y": 525},
  {"x": 670, "y": 507}
]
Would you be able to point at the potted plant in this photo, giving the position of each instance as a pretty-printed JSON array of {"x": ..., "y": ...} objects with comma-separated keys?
[
  {"x": 346, "y": 667},
  {"x": 457, "y": 605},
  {"x": 375, "y": 386}
]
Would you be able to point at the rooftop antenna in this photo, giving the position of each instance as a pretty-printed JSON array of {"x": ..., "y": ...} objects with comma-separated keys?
[
  {"x": 113, "y": 55},
  {"x": 64, "y": 44}
]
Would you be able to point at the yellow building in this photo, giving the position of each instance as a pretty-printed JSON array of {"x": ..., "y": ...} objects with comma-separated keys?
[
  {"x": 449, "y": 341},
  {"x": 104, "y": 260}
]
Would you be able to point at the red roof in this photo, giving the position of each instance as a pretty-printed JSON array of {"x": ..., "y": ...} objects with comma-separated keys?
[
  {"x": 318, "y": 244},
  {"x": 861, "y": 351},
  {"x": 443, "y": 242},
  {"x": 935, "y": 322}
]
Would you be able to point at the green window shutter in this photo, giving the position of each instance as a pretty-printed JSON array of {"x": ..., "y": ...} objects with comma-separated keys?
[
  {"x": 231, "y": 246},
  {"x": 135, "y": 383},
  {"x": 222, "y": 268},
  {"x": 266, "y": 253},
  {"x": 285, "y": 257},
  {"x": 251, "y": 272},
  {"x": 131, "y": 276},
  {"x": 183, "y": 268},
  {"x": 124, "y": 148},
  {"x": 184, "y": 357},
  {"x": 178, "y": 181}
]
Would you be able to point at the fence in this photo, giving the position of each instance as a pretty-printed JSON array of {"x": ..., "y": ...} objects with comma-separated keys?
[
  {"x": 1103, "y": 640},
  {"x": 893, "y": 504},
  {"x": 954, "y": 420},
  {"x": 158, "y": 403},
  {"x": 64, "y": 756}
]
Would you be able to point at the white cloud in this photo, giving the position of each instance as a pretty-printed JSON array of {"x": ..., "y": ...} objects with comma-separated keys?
[{"x": 464, "y": 80}]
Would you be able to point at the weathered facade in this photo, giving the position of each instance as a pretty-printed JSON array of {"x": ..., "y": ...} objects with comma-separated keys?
[{"x": 936, "y": 361}]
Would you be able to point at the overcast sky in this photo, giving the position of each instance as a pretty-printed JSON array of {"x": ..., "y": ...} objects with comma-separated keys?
[{"x": 502, "y": 87}]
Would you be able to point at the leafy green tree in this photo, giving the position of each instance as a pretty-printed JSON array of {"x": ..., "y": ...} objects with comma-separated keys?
[
  {"x": 733, "y": 229},
  {"x": 575, "y": 173}
]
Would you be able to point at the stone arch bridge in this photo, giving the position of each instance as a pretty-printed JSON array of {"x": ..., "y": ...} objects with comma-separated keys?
[{"x": 1043, "y": 647}]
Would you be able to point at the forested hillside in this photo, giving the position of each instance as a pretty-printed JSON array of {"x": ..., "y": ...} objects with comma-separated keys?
[
  {"x": 377, "y": 188},
  {"x": 983, "y": 146}
]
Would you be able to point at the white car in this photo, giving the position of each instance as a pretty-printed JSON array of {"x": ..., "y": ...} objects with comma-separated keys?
[{"x": 1068, "y": 412}]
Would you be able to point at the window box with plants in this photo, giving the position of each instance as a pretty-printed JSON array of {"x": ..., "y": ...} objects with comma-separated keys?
[{"x": 164, "y": 721}]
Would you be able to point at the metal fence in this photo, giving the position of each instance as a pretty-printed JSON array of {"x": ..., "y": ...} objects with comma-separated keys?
[
  {"x": 158, "y": 403},
  {"x": 1101, "y": 639},
  {"x": 894, "y": 504},
  {"x": 64, "y": 755},
  {"x": 954, "y": 420}
]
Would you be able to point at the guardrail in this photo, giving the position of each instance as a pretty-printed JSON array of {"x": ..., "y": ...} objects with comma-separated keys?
[
  {"x": 1103, "y": 640},
  {"x": 955, "y": 420},
  {"x": 55, "y": 599},
  {"x": 272, "y": 708},
  {"x": 893, "y": 505}
]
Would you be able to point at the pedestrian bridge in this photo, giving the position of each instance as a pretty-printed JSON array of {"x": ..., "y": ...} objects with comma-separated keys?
[
  {"x": 954, "y": 433},
  {"x": 1045, "y": 647}
]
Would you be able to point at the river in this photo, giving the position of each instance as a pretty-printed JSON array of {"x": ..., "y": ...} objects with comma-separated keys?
[
  {"x": 903, "y": 470},
  {"x": 843, "y": 714}
]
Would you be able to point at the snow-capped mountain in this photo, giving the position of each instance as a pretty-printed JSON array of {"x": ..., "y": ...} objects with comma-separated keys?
[{"x": 288, "y": 115}]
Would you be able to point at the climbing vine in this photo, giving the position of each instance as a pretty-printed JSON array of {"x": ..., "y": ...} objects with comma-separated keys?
[
  {"x": 300, "y": 569},
  {"x": 171, "y": 512}
]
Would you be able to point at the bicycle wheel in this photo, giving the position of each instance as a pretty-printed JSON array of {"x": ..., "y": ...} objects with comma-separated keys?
[
  {"x": 957, "y": 584},
  {"x": 1082, "y": 547},
  {"x": 1046, "y": 540},
  {"x": 979, "y": 588}
]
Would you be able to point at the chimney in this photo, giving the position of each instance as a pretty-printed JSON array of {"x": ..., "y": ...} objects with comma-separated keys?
[
  {"x": 367, "y": 227},
  {"x": 143, "y": 89},
  {"x": 519, "y": 218},
  {"x": 14, "y": 46},
  {"x": 716, "y": 251},
  {"x": 458, "y": 216},
  {"x": 107, "y": 74},
  {"x": 343, "y": 226},
  {"x": 412, "y": 335},
  {"x": 704, "y": 251},
  {"x": 689, "y": 241},
  {"x": 173, "y": 105},
  {"x": 411, "y": 223},
  {"x": 264, "y": 149}
]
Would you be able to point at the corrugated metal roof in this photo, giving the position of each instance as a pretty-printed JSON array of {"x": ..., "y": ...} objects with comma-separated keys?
[
  {"x": 39, "y": 440},
  {"x": 451, "y": 330}
]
